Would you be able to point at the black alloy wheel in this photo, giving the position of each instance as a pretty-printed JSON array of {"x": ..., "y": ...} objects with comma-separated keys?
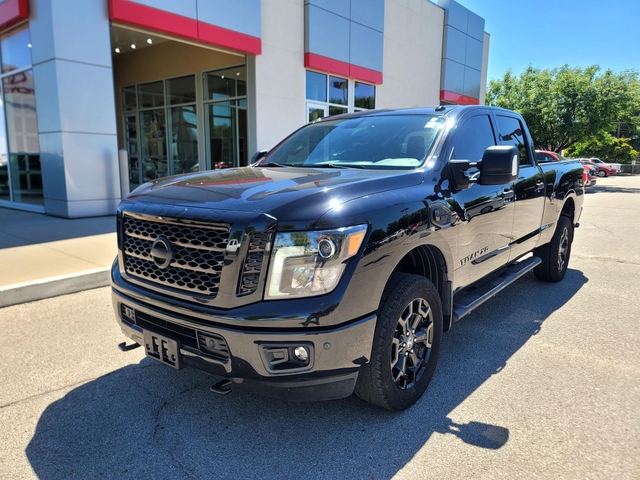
[
  {"x": 406, "y": 344},
  {"x": 411, "y": 344},
  {"x": 555, "y": 255}
]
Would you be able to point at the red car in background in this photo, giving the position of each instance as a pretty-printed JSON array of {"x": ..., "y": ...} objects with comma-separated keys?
[
  {"x": 603, "y": 170},
  {"x": 545, "y": 156}
]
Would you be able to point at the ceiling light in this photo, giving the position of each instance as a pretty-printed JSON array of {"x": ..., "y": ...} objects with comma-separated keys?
[
  {"x": 149, "y": 41},
  {"x": 238, "y": 74},
  {"x": 221, "y": 76},
  {"x": 133, "y": 46},
  {"x": 117, "y": 50}
]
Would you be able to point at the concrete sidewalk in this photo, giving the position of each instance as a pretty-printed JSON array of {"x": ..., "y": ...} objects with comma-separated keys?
[{"x": 43, "y": 256}]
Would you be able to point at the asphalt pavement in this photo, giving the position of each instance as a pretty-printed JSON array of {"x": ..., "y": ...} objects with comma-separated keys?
[{"x": 542, "y": 381}]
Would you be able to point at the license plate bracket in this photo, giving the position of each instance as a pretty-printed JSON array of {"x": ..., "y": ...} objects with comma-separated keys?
[{"x": 163, "y": 349}]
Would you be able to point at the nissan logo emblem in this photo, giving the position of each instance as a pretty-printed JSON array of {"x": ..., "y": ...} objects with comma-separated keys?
[{"x": 161, "y": 252}]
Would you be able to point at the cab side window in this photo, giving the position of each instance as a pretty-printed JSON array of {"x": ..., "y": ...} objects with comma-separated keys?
[
  {"x": 474, "y": 137},
  {"x": 512, "y": 133}
]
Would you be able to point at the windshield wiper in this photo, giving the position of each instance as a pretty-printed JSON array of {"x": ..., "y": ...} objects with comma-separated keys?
[
  {"x": 332, "y": 165},
  {"x": 273, "y": 164}
]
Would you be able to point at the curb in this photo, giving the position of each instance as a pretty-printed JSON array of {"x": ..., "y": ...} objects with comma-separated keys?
[{"x": 54, "y": 286}]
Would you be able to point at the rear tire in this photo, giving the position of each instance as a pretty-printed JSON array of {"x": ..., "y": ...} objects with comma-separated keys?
[
  {"x": 406, "y": 344},
  {"x": 555, "y": 255}
]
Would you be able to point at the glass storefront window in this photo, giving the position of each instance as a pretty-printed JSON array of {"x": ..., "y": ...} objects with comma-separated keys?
[
  {"x": 316, "y": 86},
  {"x": 222, "y": 133},
  {"x": 154, "y": 144},
  {"x": 184, "y": 139},
  {"x": 15, "y": 49},
  {"x": 336, "y": 110},
  {"x": 226, "y": 117},
  {"x": 20, "y": 172},
  {"x": 22, "y": 130},
  {"x": 338, "y": 90},
  {"x": 220, "y": 87},
  {"x": 161, "y": 124},
  {"x": 365, "y": 96},
  {"x": 181, "y": 90},
  {"x": 129, "y": 98},
  {"x": 5, "y": 192},
  {"x": 227, "y": 83},
  {"x": 241, "y": 87},
  {"x": 151, "y": 95},
  {"x": 131, "y": 142}
]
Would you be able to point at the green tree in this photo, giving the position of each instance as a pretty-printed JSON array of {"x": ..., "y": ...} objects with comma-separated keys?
[
  {"x": 564, "y": 106},
  {"x": 604, "y": 146}
]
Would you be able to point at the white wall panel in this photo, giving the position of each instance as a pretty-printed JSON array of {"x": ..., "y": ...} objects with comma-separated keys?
[
  {"x": 278, "y": 76},
  {"x": 74, "y": 92},
  {"x": 45, "y": 80},
  {"x": 41, "y": 31},
  {"x": 57, "y": 25},
  {"x": 91, "y": 166},
  {"x": 92, "y": 208},
  {"x": 86, "y": 98},
  {"x": 483, "y": 72},
  {"x": 413, "y": 32},
  {"x": 52, "y": 166}
]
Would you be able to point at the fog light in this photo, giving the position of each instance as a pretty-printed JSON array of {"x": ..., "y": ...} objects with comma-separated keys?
[{"x": 301, "y": 353}]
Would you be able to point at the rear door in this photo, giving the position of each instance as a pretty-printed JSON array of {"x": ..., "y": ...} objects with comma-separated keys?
[{"x": 529, "y": 189}]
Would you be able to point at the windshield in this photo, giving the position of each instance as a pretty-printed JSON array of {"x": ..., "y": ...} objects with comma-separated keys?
[{"x": 377, "y": 141}]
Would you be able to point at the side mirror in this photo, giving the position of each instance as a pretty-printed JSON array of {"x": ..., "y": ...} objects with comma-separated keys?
[
  {"x": 500, "y": 165},
  {"x": 257, "y": 156}
]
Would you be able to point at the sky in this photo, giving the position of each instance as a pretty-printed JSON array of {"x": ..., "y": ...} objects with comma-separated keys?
[{"x": 551, "y": 33}]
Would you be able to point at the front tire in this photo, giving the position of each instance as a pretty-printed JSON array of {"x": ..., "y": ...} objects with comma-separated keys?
[
  {"x": 555, "y": 255},
  {"x": 406, "y": 344}
]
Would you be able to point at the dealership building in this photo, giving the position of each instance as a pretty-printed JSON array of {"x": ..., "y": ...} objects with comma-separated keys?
[{"x": 100, "y": 96}]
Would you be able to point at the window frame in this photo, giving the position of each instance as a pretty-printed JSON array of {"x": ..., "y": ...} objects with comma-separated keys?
[{"x": 351, "y": 87}]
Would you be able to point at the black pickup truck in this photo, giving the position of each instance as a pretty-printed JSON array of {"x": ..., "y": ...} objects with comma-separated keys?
[{"x": 335, "y": 262}]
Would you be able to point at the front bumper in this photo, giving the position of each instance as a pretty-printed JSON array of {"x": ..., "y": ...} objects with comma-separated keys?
[{"x": 258, "y": 359}]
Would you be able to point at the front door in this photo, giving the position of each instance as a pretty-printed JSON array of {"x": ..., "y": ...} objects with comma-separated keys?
[{"x": 485, "y": 212}]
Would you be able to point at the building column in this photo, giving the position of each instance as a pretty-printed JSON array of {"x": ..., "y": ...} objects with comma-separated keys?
[{"x": 74, "y": 89}]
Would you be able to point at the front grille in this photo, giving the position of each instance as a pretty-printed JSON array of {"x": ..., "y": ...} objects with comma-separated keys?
[
  {"x": 198, "y": 254},
  {"x": 253, "y": 263}
]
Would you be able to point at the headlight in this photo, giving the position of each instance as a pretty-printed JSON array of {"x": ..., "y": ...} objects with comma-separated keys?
[{"x": 304, "y": 264}]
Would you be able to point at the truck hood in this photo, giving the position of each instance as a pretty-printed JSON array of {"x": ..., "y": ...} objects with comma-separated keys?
[{"x": 286, "y": 193}]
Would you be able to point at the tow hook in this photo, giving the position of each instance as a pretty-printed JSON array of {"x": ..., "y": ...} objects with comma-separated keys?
[
  {"x": 223, "y": 387},
  {"x": 125, "y": 348}
]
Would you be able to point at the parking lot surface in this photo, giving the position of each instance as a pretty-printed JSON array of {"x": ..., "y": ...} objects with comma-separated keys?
[{"x": 542, "y": 381}]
